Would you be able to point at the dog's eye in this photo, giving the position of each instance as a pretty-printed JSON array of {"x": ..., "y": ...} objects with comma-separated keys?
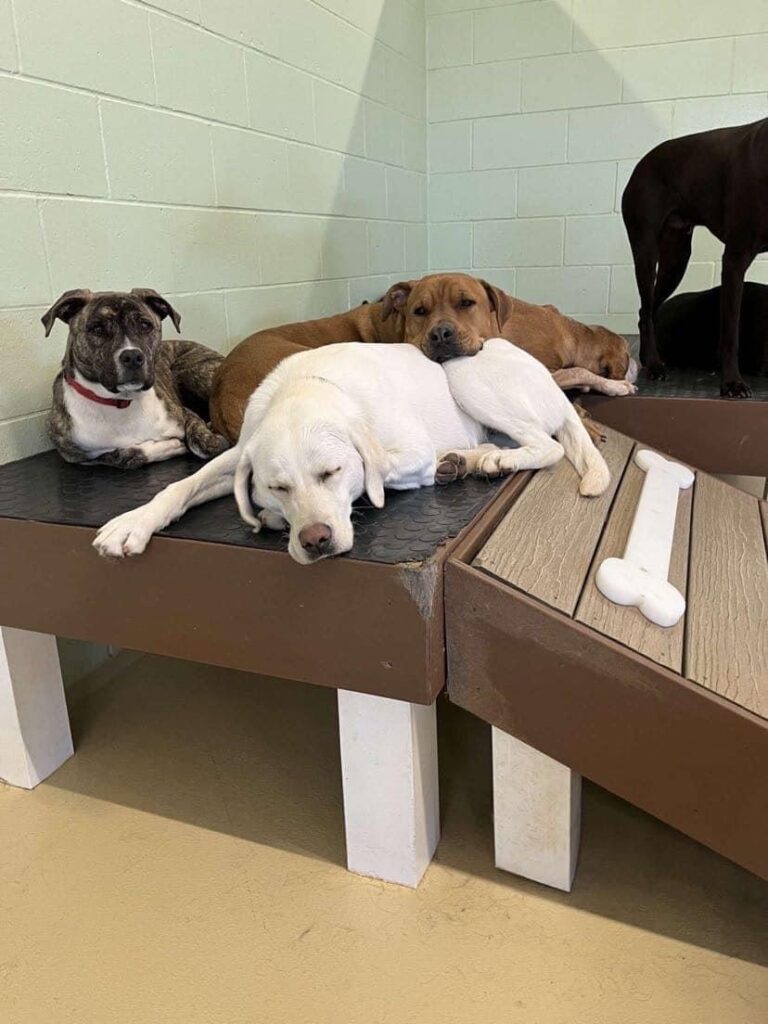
[
  {"x": 466, "y": 303},
  {"x": 145, "y": 325},
  {"x": 280, "y": 488},
  {"x": 328, "y": 473},
  {"x": 420, "y": 311},
  {"x": 97, "y": 328}
]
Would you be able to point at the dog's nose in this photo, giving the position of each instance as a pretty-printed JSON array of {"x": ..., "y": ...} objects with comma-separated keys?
[
  {"x": 132, "y": 359},
  {"x": 316, "y": 539},
  {"x": 443, "y": 334}
]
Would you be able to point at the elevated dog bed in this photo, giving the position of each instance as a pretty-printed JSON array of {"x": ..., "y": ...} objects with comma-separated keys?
[
  {"x": 684, "y": 416},
  {"x": 503, "y": 574},
  {"x": 674, "y": 720}
]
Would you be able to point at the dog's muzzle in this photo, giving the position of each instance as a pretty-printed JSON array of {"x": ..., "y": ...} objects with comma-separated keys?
[
  {"x": 443, "y": 342},
  {"x": 134, "y": 371}
]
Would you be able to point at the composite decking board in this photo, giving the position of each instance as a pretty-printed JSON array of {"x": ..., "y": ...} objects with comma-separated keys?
[
  {"x": 726, "y": 640},
  {"x": 545, "y": 543},
  {"x": 628, "y": 625}
]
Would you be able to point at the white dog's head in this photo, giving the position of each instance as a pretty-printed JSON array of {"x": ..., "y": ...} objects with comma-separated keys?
[{"x": 310, "y": 457}]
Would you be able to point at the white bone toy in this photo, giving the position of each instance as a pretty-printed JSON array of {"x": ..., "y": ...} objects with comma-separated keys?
[{"x": 640, "y": 577}]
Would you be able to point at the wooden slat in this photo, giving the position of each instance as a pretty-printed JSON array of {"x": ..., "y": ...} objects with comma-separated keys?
[
  {"x": 545, "y": 543},
  {"x": 726, "y": 644},
  {"x": 628, "y": 625}
]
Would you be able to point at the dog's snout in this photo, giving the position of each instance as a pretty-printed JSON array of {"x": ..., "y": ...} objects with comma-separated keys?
[
  {"x": 316, "y": 539},
  {"x": 132, "y": 359},
  {"x": 443, "y": 333}
]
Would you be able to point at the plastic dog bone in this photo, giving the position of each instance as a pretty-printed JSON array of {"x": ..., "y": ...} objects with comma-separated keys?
[{"x": 640, "y": 577}]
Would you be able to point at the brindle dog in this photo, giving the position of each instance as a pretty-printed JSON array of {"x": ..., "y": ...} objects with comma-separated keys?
[{"x": 124, "y": 396}]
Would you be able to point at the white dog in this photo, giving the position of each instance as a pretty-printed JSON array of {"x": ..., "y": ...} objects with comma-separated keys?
[{"x": 331, "y": 423}]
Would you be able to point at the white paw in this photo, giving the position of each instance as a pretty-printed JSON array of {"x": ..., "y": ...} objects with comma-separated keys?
[
  {"x": 619, "y": 388},
  {"x": 271, "y": 520},
  {"x": 496, "y": 463},
  {"x": 124, "y": 535}
]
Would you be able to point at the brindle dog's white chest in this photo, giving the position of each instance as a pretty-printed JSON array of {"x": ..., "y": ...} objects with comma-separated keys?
[{"x": 99, "y": 429}]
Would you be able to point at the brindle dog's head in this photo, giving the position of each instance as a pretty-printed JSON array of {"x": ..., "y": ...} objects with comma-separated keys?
[
  {"x": 113, "y": 336},
  {"x": 447, "y": 315}
]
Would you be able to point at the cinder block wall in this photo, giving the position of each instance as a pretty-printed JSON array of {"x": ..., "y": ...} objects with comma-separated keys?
[
  {"x": 256, "y": 160},
  {"x": 538, "y": 111}
]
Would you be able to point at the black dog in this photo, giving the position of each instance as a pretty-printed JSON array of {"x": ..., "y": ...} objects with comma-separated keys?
[
  {"x": 687, "y": 330},
  {"x": 718, "y": 179}
]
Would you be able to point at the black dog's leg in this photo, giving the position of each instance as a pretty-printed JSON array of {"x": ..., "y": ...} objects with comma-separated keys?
[
  {"x": 645, "y": 275},
  {"x": 674, "y": 254},
  {"x": 734, "y": 268}
]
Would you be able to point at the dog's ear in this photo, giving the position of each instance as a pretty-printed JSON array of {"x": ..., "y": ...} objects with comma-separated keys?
[
  {"x": 396, "y": 298},
  {"x": 243, "y": 478},
  {"x": 375, "y": 462},
  {"x": 158, "y": 305},
  {"x": 65, "y": 307},
  {"x": 500, "y": 302}
]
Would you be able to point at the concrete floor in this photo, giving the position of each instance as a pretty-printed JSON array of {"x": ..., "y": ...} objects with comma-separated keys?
[{"x": 187, "y": 866}]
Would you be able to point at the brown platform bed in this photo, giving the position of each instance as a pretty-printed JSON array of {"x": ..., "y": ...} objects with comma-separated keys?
[{"x": 672, "y": 720}]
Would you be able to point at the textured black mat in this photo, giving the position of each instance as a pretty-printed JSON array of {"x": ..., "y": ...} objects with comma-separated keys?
[
  {"x": 690, "y": 383},
  {"x": 409, "y": 529},
  {"x": 696, "y": 384}
]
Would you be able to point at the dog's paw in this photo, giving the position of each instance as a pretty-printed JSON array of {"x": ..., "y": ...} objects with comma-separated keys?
[
  {"x": 271, "y": 520},
  {"x": 618, "y": 388},
  {"x": 133, "y": 458},
  {"x": 656, "y": 371},
  {"x": 207, "y": 444},
  {"x": 497, "y": 463},
  {"x": 451, "y": 467},
  {"x": 735, "y": 389},
  {"x": 124, "y": 536}
]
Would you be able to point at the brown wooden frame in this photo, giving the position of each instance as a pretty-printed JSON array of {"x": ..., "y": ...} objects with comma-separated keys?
[
  {"x": 669, "y": 746},
  {"x": 716, "y": 435}
]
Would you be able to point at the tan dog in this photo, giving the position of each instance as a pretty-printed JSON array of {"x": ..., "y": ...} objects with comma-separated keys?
[{"x": 445, "y": 315}]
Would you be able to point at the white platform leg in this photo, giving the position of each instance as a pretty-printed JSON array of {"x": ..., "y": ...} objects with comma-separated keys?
[
  {"x": 34, "y": 724},
  {"x": 389, "y": 772},
  {"x": 537, "y": 813}
]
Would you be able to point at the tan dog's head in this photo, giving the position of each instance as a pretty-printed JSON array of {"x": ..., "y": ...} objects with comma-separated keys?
[
  {"x": 607, "y": 354},
  {"x": 447, "y": 315}
]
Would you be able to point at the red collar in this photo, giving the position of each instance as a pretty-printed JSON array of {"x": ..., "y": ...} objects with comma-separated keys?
[{"x": 117, "y": 403}]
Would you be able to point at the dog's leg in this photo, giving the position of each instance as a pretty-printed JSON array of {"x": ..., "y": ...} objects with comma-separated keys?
[
  {"x": 574, "y": 377},
  {"x": 595, "y": 431},
  {"x": 201, "y": 440},
  {"x": 674, "y": 255},
  {"x": 130, "y": 533},
  {"x": 735, "y": 266},
  {"x": 537, "y": 450},
  {"x": 461, "y": 463},
  {"x": 645, "y": 274}
]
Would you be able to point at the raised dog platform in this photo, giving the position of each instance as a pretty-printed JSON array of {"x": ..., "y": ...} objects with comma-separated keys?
[
  {"x": 685, "y": 417},
  {"x": 672, "y": 720}
]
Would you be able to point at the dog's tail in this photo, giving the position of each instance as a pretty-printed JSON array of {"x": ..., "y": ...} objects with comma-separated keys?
[{"x": 581, "y": 452}]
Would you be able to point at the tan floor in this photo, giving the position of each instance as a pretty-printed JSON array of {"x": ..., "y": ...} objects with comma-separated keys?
[{"x": 186, "y": 866}]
